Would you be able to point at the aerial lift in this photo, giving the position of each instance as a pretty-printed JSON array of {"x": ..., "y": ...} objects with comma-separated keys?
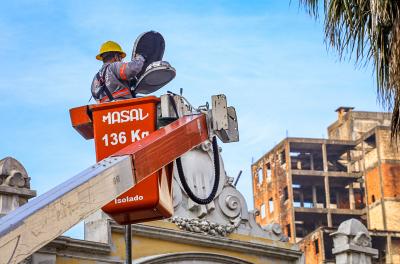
[
  {"x": 131, "y": 180},
  {"x": 137, "y": 142}
]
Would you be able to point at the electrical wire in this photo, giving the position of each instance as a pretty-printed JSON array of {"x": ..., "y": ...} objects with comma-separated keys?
[
  {"x": 214, "y": 189},
  {"x": 181, "y": 174}
]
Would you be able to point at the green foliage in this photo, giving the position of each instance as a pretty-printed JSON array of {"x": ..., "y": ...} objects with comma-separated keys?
[{"x": 367, "y": 30}]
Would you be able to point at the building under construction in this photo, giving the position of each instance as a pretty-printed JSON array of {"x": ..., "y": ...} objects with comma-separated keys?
[{"x": 309, "y": 185}]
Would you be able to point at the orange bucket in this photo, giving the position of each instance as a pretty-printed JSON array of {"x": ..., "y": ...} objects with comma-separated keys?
[{"x": 113, "y": 126}]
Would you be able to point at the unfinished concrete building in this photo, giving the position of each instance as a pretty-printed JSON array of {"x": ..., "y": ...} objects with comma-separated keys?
[{"x": 309, "y": 186}]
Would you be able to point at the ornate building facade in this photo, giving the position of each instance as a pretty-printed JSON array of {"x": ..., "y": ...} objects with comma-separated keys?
[{"x": 223, "y": 231}]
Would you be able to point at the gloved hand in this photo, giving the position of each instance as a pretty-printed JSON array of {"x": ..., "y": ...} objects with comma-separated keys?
[{"x": 140, "y": 57}]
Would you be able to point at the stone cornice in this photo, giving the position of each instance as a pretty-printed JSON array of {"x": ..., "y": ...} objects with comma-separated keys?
[
  {"x": 77, "y": 245},
  {"x": 24, "y": 192},
  {"x": 275, "y": 248}
]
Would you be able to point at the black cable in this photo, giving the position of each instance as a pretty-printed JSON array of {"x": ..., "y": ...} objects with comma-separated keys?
[
  {"x": 237, "y": 178},
  {"x": 172, "y": 102},
  {"x": 214, "y": 190},
  {"x": 181, "y": 175}
]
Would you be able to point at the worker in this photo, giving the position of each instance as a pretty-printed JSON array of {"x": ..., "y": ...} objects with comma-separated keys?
[{"x": 115, "y": 78}]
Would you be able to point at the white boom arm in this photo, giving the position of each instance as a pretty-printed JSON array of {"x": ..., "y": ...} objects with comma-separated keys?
[{"x": 33, "y": 225}]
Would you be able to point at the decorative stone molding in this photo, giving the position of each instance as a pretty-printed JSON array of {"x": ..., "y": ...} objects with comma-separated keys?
[
  {"x": 352, "y": 243},
  {"x": 228, "y": 211},
  {"x": 14, "y": 185},
  {"x": 13, "y": 174},
  {"x": 203, "y": 226}
]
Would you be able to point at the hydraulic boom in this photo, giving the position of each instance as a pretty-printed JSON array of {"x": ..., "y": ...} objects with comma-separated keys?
[
  {"x": 125, "y": 166},
  {"x": 32, "y": 226}
]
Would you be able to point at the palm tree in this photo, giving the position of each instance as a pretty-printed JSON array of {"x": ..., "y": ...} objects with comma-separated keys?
[{"x": 368, "y": 30}]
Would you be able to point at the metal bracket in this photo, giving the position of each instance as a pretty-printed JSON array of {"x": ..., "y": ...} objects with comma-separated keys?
[
  {"x": 221, "y": 119},
  {"x": 167, "y": 110},
  {"x": 219, "y": 112},
  {"x": 224, "y": 119},
  {"x": 232, "y": 133}
]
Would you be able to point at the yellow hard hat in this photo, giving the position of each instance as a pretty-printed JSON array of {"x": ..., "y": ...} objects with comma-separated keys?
[{"x": 110, "y": 46}]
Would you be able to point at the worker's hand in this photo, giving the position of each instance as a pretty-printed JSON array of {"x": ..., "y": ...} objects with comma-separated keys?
[{"x": 140, "y": 57}]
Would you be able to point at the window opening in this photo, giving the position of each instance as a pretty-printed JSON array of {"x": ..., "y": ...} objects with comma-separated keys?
[
  {"x": 316, "y": 246},
  {"x": 259, "y": 176},
  {"x": 262, "y": 211},
  {"x": 271, "y": 205}
]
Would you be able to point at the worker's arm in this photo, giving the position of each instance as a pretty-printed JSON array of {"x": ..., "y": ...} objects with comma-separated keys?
[
  {"x": 127, "y": 70},
  {"x": 95, "y": 87}
]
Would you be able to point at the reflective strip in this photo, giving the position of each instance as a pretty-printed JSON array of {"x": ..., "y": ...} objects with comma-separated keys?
[
  {"x": 116, "y": 94},
  {"x": 122, "y": 72}
]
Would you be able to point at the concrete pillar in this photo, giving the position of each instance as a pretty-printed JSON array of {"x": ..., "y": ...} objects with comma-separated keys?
[
  {"x": 351, "y": 197},
  {"x": 314, "y": 196},
  {"x": 337, "y": 199},
  {"x": 97, "y": 228},
  {"x": 311, "y": 161},
  {"x": 290, "y": 190},
  {"x": 389, "y": 254},
  {"x": 326, "y": 184},
  {"x": 301, "y": 199},
  {"x": 324, "y": 158},
  {"x": 379, "y": 147},
  {"x": 348, "y": 161},
  {"x": 8, "y": 202},
  {"x": 352, "y": 244}
]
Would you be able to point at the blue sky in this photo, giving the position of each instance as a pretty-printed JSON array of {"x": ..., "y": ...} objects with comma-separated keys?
[{"x": 268, "y": 57}]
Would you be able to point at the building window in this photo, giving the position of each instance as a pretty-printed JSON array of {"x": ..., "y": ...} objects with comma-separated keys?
[
  {"x": 259, "y": 176},
  {"x": 373, "y": 198},
  {"x": 262, "y": 211},
  {"x": 282, "y": 157},
  {"x": 269, "y": 174},
  {"x": 316, "y": 246},
  {"x": 271, "y": 205},
  {"x": 285, "y": 193},
  {"x": 289, "y": 234}
]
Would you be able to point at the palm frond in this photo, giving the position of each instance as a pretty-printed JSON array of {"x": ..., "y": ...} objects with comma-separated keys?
[
  {"x": 367, "y": 30},
  {"x": 311, "y": 6}
]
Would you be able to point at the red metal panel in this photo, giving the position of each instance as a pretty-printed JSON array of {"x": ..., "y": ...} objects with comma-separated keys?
[
  {"x": 150, "y": 199},
  {"x": 124, "y": 103},
  {"x": 81, "y": 121},
  {"x": 152, "y": 156},
  {"x": 166, "y": 144},
  {"x": 81, "y": 116},
  {"x": 118, "y": 124}
]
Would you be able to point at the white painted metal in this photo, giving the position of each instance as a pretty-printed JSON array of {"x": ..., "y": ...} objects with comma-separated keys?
[
  {"x": 42, "y": 219},
  {"x": 182, "y": 107},
  {"x": 222, "y": 119},
  {"x": 232, "y": 133},
  {"x": 219, "y": 112}
]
